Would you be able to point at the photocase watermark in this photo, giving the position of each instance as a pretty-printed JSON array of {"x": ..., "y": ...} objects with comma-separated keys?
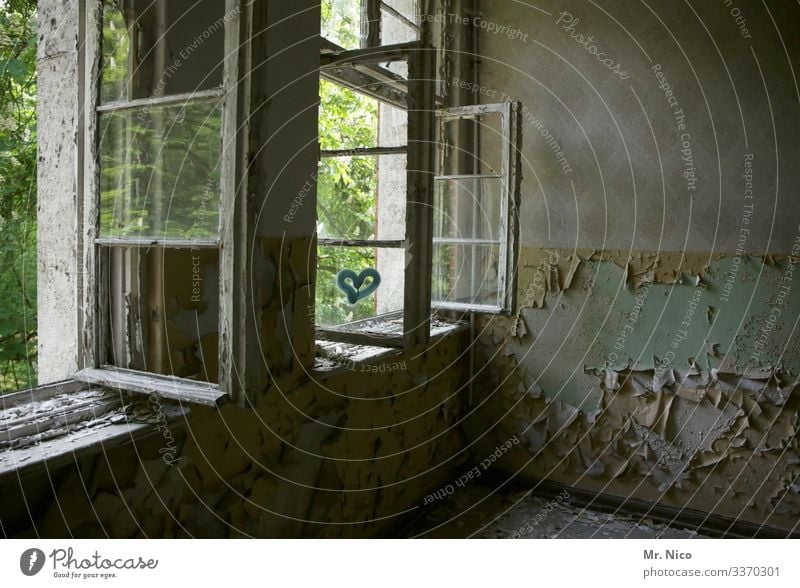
[
  {"x": 169, "y": 453},
  {"x": 738, "y": 18},
  {"x": 185, "y": 53},
  {"x": 744, "y": 232},
  {"x": 67, "y": 566},
  {"x": 778, "y": 304},
  {"x": 31, "y": 561},
  {"x": 379, "y": 368},
  {"x": 491, "y": 27},
  {"x": 681, "y": 334},
  {"x": 687, "y": 156},
  {"x": 539, "y": 281},
  {"x": 300, "y": 199},
  {"x": 630, "y": 324},
  {"x": 472, "y": 474},
  {"x": 569, "y": 24},
  {"x": 527, "y": 115},
  {"x": 94, "y": 566},
  {"x": 531, "y": 524}
]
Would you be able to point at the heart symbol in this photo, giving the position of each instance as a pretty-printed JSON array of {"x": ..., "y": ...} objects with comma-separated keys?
[{"x": 353, "y": 285}]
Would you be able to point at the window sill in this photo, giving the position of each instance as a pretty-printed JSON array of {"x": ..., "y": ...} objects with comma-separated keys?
[
  {"x": 171, "y": 388},
  {"x": 54, "y": 425},
  {"x": 335, "y": 357}
]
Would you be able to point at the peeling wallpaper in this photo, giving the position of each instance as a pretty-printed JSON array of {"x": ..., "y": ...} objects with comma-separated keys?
[{"x": 636, "y": 377}]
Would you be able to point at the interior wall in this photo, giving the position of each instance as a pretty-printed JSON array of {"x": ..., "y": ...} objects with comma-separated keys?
[
  {"x": 655, "y": 351},
  {"x": 348, "y": 454}
]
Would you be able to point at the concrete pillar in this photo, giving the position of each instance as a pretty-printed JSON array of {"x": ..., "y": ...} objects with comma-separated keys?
[{"x": 58, "y": 111}]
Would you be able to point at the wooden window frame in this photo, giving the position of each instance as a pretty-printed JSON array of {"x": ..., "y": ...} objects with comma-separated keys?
[
  {"x": 419, "y": 101},
  {"x": 93, "y": 283},
  {"x": 510, "y": 176}
]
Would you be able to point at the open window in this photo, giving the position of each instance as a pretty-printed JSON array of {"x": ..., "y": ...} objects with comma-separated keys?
[
  {"x": 160, "y": 175},
  {"x": 358, "y": 24},
  {"x": 475, "y": 202},
  {"x": 374, "y": 191}
]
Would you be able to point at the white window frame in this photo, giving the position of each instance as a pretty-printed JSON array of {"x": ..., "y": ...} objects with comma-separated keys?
[
  {"x": 510, "y": 177},
  {"x": 93, "y": 283}
]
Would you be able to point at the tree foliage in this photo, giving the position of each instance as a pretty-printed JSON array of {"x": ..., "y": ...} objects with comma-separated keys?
[
  {"x": 347, "y": 187},
  {"x": 17, "y": 194}
]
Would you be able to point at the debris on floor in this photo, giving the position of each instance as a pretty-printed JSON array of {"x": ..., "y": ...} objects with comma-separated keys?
[{"x": 478, "y": 512}]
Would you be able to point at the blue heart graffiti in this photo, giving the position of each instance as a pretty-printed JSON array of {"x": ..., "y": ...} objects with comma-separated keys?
[{"x": 352, "y": 284}]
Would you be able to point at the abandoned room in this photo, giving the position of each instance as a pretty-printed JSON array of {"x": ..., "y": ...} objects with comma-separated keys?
[{"x": 407, "y": 269}]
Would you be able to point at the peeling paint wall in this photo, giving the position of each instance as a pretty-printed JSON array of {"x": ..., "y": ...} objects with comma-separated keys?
[
  {"x": 655, "y": 351},
  {"x": 344, "y": 455}
]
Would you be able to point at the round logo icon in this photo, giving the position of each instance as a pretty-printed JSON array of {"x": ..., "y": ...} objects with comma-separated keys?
[{"x": 31, "y": 561}]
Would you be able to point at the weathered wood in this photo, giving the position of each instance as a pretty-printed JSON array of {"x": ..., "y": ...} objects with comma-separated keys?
[
  {"x": 467, "y": 307},
  {"x": 69, "y": 447},
  {"x": 364, "y": 151},
  {"x": 92, "y": 292},
  {"x": 361, "y": 243},
  {"x": 359, "y": 81},
  {"x": 373, "y": 55},
  {"x": 57, "y": 419},
  {"x": 469, "y": 177},
  {"x": 213, "y": 95},
  {"x": 467, "y": 241},
  {"x": 235, "y": 229},
  {"x": 40, "y": 393},
  {"x": 472, "y": 110},
  {"x": 169, "y": 387},
  {"x": 164, "y": 243},
  {"x": 361, "y": 338}
]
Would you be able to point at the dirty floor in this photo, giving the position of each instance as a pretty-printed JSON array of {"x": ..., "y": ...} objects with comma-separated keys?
[{"x": 478, "y": 512}]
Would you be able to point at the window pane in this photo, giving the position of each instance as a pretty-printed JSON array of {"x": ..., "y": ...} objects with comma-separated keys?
[
  {"x": 165, "y": 311},
  {"x": 458, "y": 155},
  {"x": 160, "y": 172},
  {"x": 362, "y": 197},
  {"x": 341, "y": 22},
  {"x": 344, "y": 23},
  {"x": 467, "y": 208},
  {"x": 333, "y": 309},
  {"x": 399, "y": 30},
  {"x": 466, "y": 274},
  {"x": 407, "y": 8},
  {"x": 159, "y": 47},
  {"x": 351, "y": 120}
]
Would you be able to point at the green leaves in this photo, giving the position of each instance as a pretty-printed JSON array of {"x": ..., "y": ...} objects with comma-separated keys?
[
  {"x": 14, "y": 68},
  {"x": 17, "y": 194}
]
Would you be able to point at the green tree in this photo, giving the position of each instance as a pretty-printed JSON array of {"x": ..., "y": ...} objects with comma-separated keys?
[{"x": 17, "y": 194}]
